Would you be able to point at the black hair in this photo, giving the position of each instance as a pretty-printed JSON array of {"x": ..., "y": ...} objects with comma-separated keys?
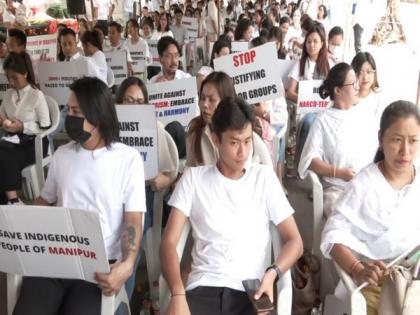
[
  {"x": 67, "y": 31},
  {"x": 164, "y": 43},
  {"x": 19, "y": 35},
  {"x": 168, "y": 18},
  {"x": 3, "y": 38},
  {"x": 264, "y": 33},
  {"x": 336, "y": 30},
  {"x": 284, "y": 19},
  {"x": 335, "y": 78},
  {"x": 325, "y": 11},
  {"x": 217, "y": 47},
  {"x": 241, "y": 28},
  {"x": 358, "y": 62},
  {"x": 102, "y": 28},
  {"x": 129, "y": 82},
  {"x": 22, "y": 64},
  {"x": 96, "y": 104},
  {"x": 148, "y": 21},
  {"x": 266, "y": 23},
  {"x": 93, "y": 38},
  {"x": 232, "y": 113},
  {"x": 258, "y": 41},
  {"x": 117, "y": 25},
  {"x": 178, "y": 11},
  {"x": 134, "y": 23},
  {"x": 394, "y": 111}
]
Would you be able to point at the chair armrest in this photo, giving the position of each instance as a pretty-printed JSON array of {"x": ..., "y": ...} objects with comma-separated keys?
[{"x": 318, "y": 207}]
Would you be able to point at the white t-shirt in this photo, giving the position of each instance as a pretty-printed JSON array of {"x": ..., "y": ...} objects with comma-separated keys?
[
  {"x": 178, "y": 75},
  {"x": 230, "y": 222},
  {"x": 100, "y": 61},
  {"x": 138, "y": 51},
  {"x": 109, "y": 181},
  {"x": 92, "y": 70},
  {"x": 373, "y": 219},
  {"x": 103, "y": 9}
]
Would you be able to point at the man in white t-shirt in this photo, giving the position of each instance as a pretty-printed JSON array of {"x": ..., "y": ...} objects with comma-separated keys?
[
  {"x": 105, "y": 10},
  {"x": 169, "y": 54},
  {"x": 230, "y": 206}
]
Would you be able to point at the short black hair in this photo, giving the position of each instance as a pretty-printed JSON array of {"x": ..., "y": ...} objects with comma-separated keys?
[
  {"x": 102, "y": 28},
  {"x": 336, "y": 30},
  {"x": 22, "y": 64},
  {"x": 164, "y": 43},
  {"x": 258, "y": 41},
  {"x": 93, "y": 38},
  {"x": 232, "y": 113},
  {"x": 148, "y": 21},
  {"x": 19, "y": 35},
  {"x": 129, "y": 82},
  {"x": 178, "y": 11},
  {"x": 96, "y": 104},
  {"x": 284, "y": 19},
  {"x": 3, "y": 37},
  {"x": 67, "y": 31},
  {"x": 117, "y": 25}
]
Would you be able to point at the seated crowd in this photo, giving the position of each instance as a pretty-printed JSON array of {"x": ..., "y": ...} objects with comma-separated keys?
[{"x": 362, "y": 147}]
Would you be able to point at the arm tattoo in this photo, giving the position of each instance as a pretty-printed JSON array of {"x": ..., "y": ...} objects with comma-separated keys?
[{"x": 128, "y": 240}]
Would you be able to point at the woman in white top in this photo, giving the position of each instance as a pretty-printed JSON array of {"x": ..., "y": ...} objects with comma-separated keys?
[
  {"x": 92, "y": 47},
  {"x": 94, "y": 172},
  {"x": 138, "y": 47},
  {"x": 244, "y": 30},
  {"x": 294, "y": 33},
  {"x": 147, "y": 28},
  {"x": 200, "y": 148},
  {"x": 371, "y": 100},
  {"x": 133, "y": 91},
  {"x": 163, "y": 27},
  {"x": 377, "y": 217},
  {"x": 338, "y": 145},
  {"x": 24, "y": 113}
]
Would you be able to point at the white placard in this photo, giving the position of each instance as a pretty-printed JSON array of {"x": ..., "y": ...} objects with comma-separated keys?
[
  {"x": 4, "y": 85},
  {"x": 309, "y": 99},
  {"x": 55, "y": 78},
  {"x": 253, "y": 73},
  {"x": 138, "y": 130},
  {"x": 191, "y": 24},
  {"x": 239, "y": 46},
  {"x": 43, "y": 44},
  {"x": 154, "y": 52},
  {"x": 51, "y": 242},
  {"x": 285, "y": 66},
  {"x": 117, "y": 61},
  {"x": 139, "y": 61},
  {"x": 174, "y": 100}
]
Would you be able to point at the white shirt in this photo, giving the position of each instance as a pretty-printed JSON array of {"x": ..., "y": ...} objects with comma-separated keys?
[
  {"x": 109, "y": 181},
  {"x": 338, "y": 137},
  {"x": 158, "y": 35},
  {"x": 103, "y": 9},
  {"x": 92, "y": 69},
  {"x": 29, "y": 106},
  {"x": 309, "y": 72},
  {"x": 121, "y": 46},
  {"x": 88, "y": 6},
  {"x": 212, "y": 17},
  {"x": 178, "y": 75},
  {"x": 139, "y": 51},
  {"x": 100, "y": 61},
  {"x": 128, "y": 5},
  {"x": 230, "y": 232},
  {"x": 373, "y": 219}
]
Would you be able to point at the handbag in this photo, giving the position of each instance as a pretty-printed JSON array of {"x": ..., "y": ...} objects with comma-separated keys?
[
  {"x": 400, "y": 292},
  {"x": 305, "y": 284}
]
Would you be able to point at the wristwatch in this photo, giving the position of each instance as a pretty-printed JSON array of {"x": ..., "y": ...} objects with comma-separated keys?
[{"x": 277, "y": 270}]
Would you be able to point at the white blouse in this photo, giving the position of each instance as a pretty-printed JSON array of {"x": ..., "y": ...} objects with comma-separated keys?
[
  {"x": 29, "y": 106},
  {"x": 373, "y": 219}
]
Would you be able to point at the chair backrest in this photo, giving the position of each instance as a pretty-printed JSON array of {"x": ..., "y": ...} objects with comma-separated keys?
[
  {"x": 110, "y": 78},
  {"x": 284, "y": 286},
  {"x": 261, "y": 152}
]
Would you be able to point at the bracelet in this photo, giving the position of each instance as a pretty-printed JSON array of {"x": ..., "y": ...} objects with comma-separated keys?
[
  {"x": 353, "y": 267},
  {"x": 279, "y": 273},
  {"x": 177, "y": 294},
  {"x": 334, "y": 169}
]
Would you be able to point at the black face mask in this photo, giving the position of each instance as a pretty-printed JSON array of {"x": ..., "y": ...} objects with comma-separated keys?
[{"x": 74, "y": 128}]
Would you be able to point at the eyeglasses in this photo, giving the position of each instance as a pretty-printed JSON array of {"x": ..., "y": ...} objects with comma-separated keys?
[
  {"x": 131, "y": 100},
  {"x": 355, "y": 84},
  {"x": 171, "y": 56},
  {"x": 369, "y": 72}
]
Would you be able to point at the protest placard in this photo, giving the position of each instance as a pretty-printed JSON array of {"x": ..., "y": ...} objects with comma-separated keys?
[
  {"x": 51, "y": 242},
  {"x": 174, "y": 100},
  {"x": 285, "y": 66},
  {"x": 4, "y": 85},
  {"x": 191, "y": 24},
  {"x": 138, "y": 130},
  {"x": 117, "y": 61},
  {"x": 154, "y": 52},
  {"x": 254, "y": 76},
  {"x": 42, "y": 45},
  {"x": 239, "y": 46},
  {"x": 139, "y": 61},
  {"x": 309, "y": 99},
  {"x": 55, "y": 78}
]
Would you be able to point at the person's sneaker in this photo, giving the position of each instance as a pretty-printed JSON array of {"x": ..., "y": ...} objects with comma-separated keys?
[{"x": 16, "y": 202}]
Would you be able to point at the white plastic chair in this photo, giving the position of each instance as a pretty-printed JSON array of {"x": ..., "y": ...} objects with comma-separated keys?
[
  {"x": 33, "y": 176},
  {"x": 261, "y": 151},
  {"x": 276, "y": 143},
  {"x": 356, "y": 302},
  {"x": 154, "y": 234},
  {"x": 284, "y": 285},
  {"x": 108, "y": 307}
]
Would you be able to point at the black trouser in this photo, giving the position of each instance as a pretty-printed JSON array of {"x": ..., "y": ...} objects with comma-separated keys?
[
  {"x": 14, "y": 158},
  {"x": 46, "y": 296},
  {"x": 218, "y": 301},
  {"x": 358, "y": 31}
]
